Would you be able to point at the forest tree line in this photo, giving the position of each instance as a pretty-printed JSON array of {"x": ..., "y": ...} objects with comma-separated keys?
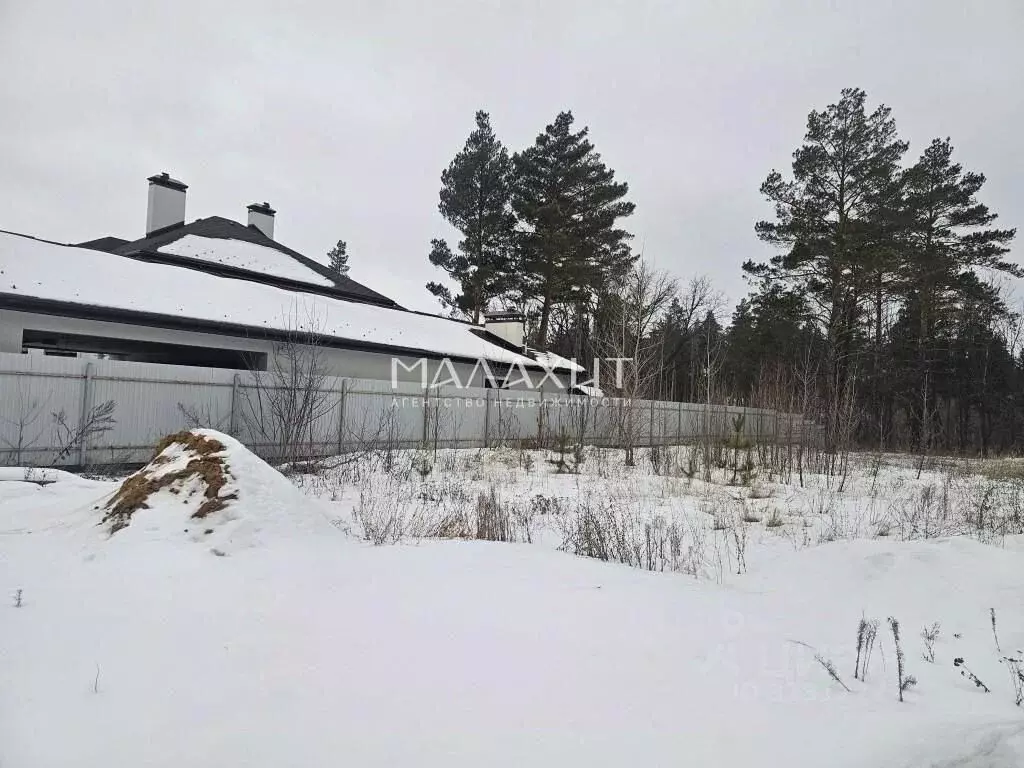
[{"x": 885, "y": 314}]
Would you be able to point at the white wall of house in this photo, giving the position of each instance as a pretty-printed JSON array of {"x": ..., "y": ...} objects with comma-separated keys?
[
  {"x": 10, "y": 331},
  {"x": 350, "y": 363}
]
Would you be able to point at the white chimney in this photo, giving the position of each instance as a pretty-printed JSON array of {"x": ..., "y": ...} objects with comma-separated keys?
[
  {"x": 261, "y": 216},
  {"x": 166, "y": 203},
  {"x": 510, "y": 326}
]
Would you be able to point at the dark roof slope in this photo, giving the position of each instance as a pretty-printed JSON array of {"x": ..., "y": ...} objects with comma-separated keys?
[
  {"x": 108, "y": 244},
  {"x": 225, "y": 229}
]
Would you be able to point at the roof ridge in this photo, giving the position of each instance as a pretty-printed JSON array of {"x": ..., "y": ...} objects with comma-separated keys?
[{"x": 222, "y": 228}]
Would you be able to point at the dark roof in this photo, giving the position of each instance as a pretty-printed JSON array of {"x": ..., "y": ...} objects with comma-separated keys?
[
  {"x": 108, "y": 244},
  {"x": 225, "y": 229}
]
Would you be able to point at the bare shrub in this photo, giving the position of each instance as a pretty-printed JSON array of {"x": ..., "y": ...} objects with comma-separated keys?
[
  {"x": 1016, "y": 668},
  {"x": 493, "y": 520},
  {"x": 926, "y": 514},
  {"x": 422, "y": 464},
  {"x": 867, "y": 632},
  {"x": 930, "y": 635},
  {"x": 961, "y": 665},
  {"x": 656, "y": 456},
  {"x": 23, "y": 426},
  {"x": 202, "y": 417},
  {"x": 611, "y": 532},
  {"x": 829, "y": 667},
  {"x": 750, "y": 514},
  {"x": 384, "y": 512},
  {"x": 739, "y": 537},
  {"x": 69, "y": 437},
  {"x": 759, "y": 491}
]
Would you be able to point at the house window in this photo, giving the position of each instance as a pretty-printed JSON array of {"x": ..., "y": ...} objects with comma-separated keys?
[{"x": 98, "y": 347}]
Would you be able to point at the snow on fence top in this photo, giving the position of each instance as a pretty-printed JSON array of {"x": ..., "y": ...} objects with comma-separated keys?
[{"x": 43, "y": 270}]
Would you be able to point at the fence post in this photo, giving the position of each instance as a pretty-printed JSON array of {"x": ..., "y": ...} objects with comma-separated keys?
[
  {"x": 487, "y": 418},
  {"x": 540, "y": 419},
  {"x": 233, "y": 426},
  {"x": 426, "y": 402},
  {"x": 650, "y": 426},
  {"x": 341, "y": 414},
  {"x": 84, "y": 417}
]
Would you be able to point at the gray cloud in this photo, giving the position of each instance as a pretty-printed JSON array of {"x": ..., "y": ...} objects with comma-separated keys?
[{"x": 342, "y": 115}]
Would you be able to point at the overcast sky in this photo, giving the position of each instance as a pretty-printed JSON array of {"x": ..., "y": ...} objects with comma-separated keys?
[{"x": 343, "y": 114}]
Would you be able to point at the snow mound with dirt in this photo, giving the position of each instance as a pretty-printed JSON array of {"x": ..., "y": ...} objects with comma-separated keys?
[{"x": 210, "y": 487}]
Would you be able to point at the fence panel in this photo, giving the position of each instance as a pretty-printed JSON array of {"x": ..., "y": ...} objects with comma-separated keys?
[{"x": 39, "y": 393}]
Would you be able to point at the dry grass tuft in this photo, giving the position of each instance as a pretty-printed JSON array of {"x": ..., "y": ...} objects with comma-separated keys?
[
  {"x": 1002, "y": 469},
  {"x": 208, "y": 466}
]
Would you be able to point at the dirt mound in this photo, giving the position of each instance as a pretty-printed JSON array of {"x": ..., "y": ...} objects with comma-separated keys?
[
  {"x": 187, "y": 464},
  {"x": 205, "y": 487}
]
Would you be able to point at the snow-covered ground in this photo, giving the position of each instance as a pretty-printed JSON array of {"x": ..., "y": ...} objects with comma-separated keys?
[{"x": 271, "y": 632}]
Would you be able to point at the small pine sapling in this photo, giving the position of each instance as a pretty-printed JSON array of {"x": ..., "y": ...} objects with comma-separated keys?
[
  {"x": 906, "y": 682},
  {"x": 930, "y": 635},
  {"x": 17, "y": 598},
  {"x": 958, "y": 662}
]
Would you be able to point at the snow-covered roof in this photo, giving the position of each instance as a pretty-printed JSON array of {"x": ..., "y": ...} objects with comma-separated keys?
[
  {"x": 243, "y": 255},
  {"x": 229, "y": 245},
  {"x": 589, "y": 391},
  {"x": 44, "y": 270},
  {"x": 552, "y": 361}
]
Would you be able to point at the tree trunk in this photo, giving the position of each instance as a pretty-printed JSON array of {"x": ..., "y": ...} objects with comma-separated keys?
[{"x": 545, "y": 318}]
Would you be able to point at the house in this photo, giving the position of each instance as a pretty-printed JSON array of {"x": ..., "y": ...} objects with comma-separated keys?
[{"x": 218, "y": 293}]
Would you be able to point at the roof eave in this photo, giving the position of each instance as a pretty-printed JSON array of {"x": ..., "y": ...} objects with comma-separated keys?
[{"x": 54, "y": 307}]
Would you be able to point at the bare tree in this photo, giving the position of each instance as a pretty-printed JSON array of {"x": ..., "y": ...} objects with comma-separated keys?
[
  {"x": 284, "y": 405},
  {"x": 22, "y": 428},
  {"x": 627, "y": 318}
]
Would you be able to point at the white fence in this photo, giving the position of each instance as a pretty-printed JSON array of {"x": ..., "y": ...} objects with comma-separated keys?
[{"x": 152, "y": 400}]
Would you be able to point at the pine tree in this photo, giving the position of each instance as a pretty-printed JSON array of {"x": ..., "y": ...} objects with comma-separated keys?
[
  {"x": 767, "y": 331},
  {"x": 835, "y": 221},
  {"x": 947, "y": 238},
  {"x": 475, "y": 198},
  {"x": 948, "y": 233},
  {"x": 568, "y": 203},
  {"x": 338, "y": 259}
]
